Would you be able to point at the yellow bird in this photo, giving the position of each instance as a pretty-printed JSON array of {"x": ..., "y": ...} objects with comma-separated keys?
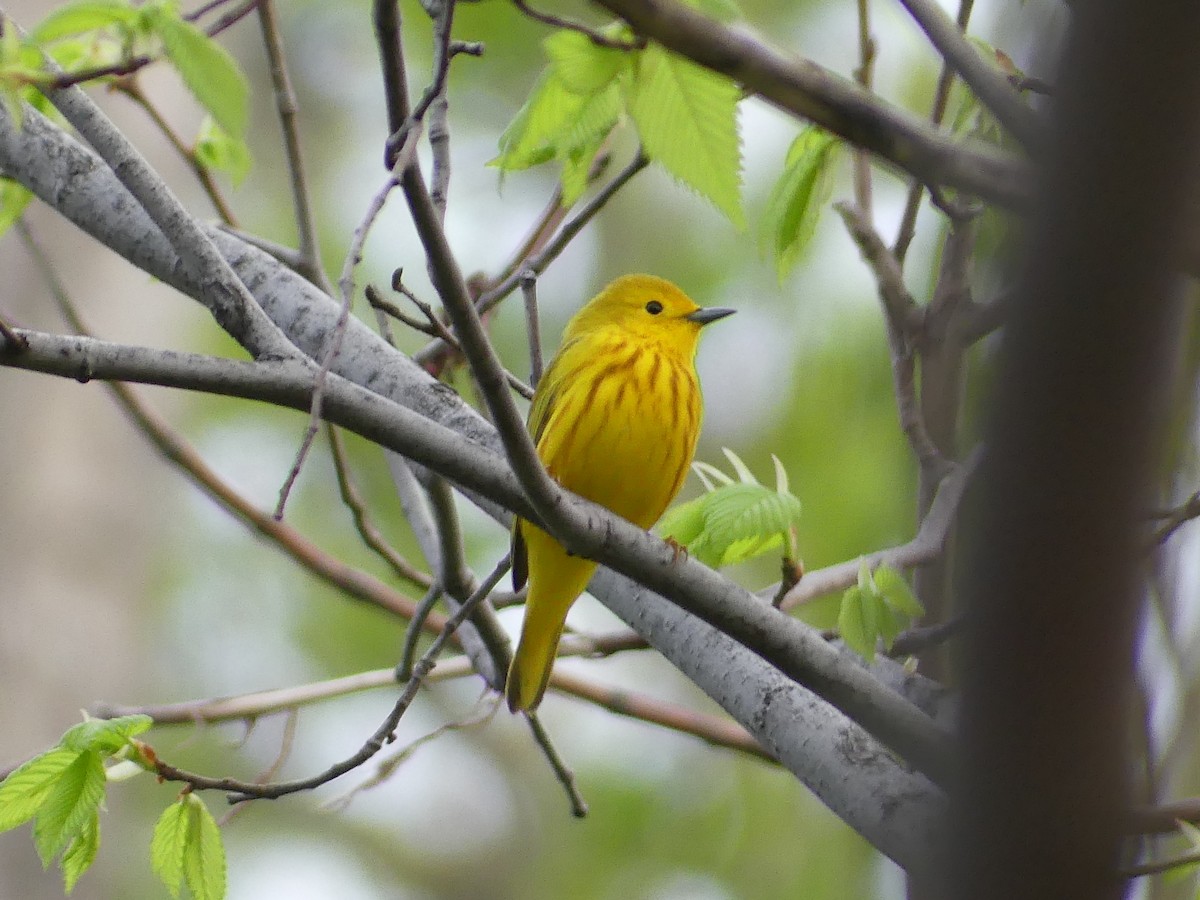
[{"x": 615, "y": 419}]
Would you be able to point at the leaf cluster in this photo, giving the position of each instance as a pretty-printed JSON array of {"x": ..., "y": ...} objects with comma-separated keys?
[
  {"x": 876, "y": 609},
  {"x": 735, "y": 520},
  {"x": 99, "y": 39},
  {"x": 685, "y": 117},
  {"x": 61, "y": 791}
]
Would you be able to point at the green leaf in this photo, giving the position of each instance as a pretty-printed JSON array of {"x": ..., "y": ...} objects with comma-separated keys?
[
  {"x": 24, "y": 790},
  {"x": 215, "y": 149},
  {"x": 69, "y": 805},
  {"x": 853, "y": 625},
  {"x": 84, "y": 16},
  {"x": 686, "y": 117},
  {"x": 81, "y": 852},
  {"x": 208, "y": 70},
  {"x": 583, "y": 67},
  {"x": 684, "y": 523},
  {"x": 14, "y": 197},
  {"x": 204, "y": 853},
  {"x": 106, "y": 736},
  {"x": 803, "y": 189},
  {"x": 167, "y": 846},
  {"x": 736, "y": 520},
  {"x": 896, "y": 593},
  {"x": 532, "y": 136}
]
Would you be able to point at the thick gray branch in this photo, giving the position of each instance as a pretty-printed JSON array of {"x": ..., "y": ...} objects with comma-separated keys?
[{"x": 72, "y": 180}]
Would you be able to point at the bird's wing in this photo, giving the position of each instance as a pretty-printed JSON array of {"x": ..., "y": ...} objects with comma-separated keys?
[{"x": 548, "y": 390}]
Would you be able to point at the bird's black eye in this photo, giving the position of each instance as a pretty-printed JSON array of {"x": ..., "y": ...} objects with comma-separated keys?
[{"x": 654, "y": 307}]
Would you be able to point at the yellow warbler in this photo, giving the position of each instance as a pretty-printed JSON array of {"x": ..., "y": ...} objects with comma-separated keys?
[{"x": 615, "y": 419}]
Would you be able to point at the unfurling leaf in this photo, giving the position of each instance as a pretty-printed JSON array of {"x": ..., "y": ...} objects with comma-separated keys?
[
  {"x": 735, "y": 520},
  {"x": 792, "y": 213}
]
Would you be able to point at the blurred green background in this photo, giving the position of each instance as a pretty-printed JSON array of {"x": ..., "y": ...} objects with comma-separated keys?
[{"x": 125, "y": 584}]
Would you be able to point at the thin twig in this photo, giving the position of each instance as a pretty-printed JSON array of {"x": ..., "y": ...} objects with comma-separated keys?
[
  {"x": 532, "y": 327},
  {"x": 986, "y": 81},
  {"x": 286, "y": 255},
  {"x": 600, "y": 40},
  {"x": 346, "y": 287},
  {"x": 488, "y": 706},
  {"x": 1160, "y": 866},
  {"x": 929, "y": 542},
  {"x": 363, "y": 523},
  {"x": 326, "y": 566},
  {"x": 287, "y": 107},
  {"x": 1176, "y": 518},
  {"x": 285, "y": 751},
  {"x": 715, "y": 730},
  {"x": 903, "y": 320},
  {"x": 131, "y": 89},
  {"x": 941, "y": 98},
  {"x": 548, "y": 254},
  {"x": 242, "y": 790},
  {"x": 864, "y": 75},
  {"x": 564, "y": 774},
  {"x": 412, "y": 635}
]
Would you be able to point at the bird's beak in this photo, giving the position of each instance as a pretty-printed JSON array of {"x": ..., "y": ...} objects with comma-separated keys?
[{"x": 710, "y": 314}]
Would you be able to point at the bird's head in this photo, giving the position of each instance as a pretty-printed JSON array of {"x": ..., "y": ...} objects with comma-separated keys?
[{"x": 645, "y": 307}]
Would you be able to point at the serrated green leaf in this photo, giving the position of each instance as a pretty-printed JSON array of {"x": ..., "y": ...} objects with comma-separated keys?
[
  {"x": 683, "y": 522},
  {"x": 106, "y": 736},
  {"x": 207, "y": 69},
  {"x": 204, "y": 853},
  {"x": 531, "y": 138},
  {"x": 167, "y": 845},
  {"x": 781, "y": 476},
  {"x": 14, "y": 197},
  {"x": 215, "y": 149},
  {"x": 686, "y": 117},
  {"x": 858, "y": 635},
  {"x": 743, "y": 471},
  {"x": 84, "y": 16},
  {"x": 803, "y": 189},
  {"x": 896, "y": 593},
  {"x": 582, "y": 66},
  {"x": 23, "y": 791},
  {"x": 710, "y": 475},
  {"x": 70, "y": 803},
  {"x": 81, "y": 852}
]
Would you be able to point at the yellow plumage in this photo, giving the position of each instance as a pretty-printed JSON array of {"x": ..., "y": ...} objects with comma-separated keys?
[{"x": 615, "y": 419}]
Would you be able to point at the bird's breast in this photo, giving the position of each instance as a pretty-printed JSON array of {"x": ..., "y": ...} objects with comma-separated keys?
[{"x": 623, "y": 431}]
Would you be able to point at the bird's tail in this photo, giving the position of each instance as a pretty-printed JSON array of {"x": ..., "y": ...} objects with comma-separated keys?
[{"x": 555, "y": 580}]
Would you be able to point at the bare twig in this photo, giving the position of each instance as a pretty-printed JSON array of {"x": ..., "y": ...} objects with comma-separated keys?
[
  {"x": 286, "y": 105},
  {"x": 537, "y": 264},
  {"x": 408, "y": 652},
  {"x": 564, "y": 774},
  {"x": 242, "y": 790},
  {"x": 901, "y": 315},
  {"x": 941, "y": 97},
  {"x": 928, "y": 543},
  {"x": 366, "y": 527},
  {"x": 596, "y": 37},
  {"x": 986, "y": 81},
  {"x": 716, "y": 730},
  {"x": 346, "y": 286},
  {"x": 175, "y": 449},
  {"x": 864, "y": 75},
  {"x": 131, "y": 89},
  {"x": 532, "y": 326}
]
